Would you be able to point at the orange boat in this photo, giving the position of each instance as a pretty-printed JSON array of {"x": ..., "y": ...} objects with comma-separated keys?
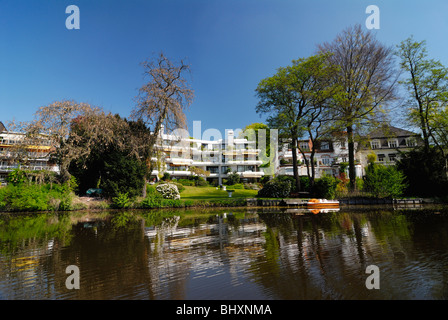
[{"x": 322, "y": 204}]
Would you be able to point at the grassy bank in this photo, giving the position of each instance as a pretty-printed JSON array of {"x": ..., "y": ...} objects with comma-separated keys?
[
  {"x": 54, "y": 197},
  {"x": 195, "y": 197},
  {"x": 211, "y": 193}
]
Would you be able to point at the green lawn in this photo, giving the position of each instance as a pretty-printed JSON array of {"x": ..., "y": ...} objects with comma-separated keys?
[{"x": 211, "y": 193}]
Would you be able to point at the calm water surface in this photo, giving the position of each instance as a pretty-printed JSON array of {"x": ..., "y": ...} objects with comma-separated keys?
[{"x": 226, "y": 254}]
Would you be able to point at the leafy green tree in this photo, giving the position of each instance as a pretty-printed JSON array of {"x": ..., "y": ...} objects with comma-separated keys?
[
  {"x": 122, "y": 174},
  {"x": 114, "y": 164},
  {"x": 291, "y": 95},
  {"x": 113, "y": 170},
  {"x": 427, "y": 86},
  {"x": 257, "y": 132},
  {"x": 424, "y": 172}
]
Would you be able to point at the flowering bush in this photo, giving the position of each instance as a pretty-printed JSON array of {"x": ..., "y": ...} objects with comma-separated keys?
[{"x": 168, "y": 191}]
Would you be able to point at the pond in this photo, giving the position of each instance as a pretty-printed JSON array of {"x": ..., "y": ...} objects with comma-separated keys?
[{"x": 259, "y": 253}]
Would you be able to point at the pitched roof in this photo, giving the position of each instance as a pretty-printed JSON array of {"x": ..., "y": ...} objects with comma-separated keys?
[
  {"x": 390, "y": 131},
  {"x": 2, "y": 127}
]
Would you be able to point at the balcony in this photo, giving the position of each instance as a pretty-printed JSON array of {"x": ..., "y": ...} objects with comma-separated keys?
[
  {"x": 32, "y": 168},
  {"x": 251, "y": 174},
  {"x": 245, "y": 162},
  {"x": 205, "y": 163},
  {"x": 183, "y": 173},
  {"x": 179, "y": 161}
]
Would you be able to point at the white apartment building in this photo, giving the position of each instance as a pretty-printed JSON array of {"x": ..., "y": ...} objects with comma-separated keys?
[
  {"x": 176, "y": 155},
  {"x": 16, "y": 150}
]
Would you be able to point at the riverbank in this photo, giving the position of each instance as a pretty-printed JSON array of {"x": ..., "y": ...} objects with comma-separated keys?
[{"x": 38, "y": 198}]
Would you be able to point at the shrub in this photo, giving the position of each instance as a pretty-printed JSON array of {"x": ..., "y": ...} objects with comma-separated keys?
[
  {"x": 186, "y": 182},
  {"x": 304, "y": 182},
  {"x": 201, "y": 182},
  {"x": 34, "y": 197},
  {"x": 264, "y": 179},
  {"x": 16, "y": 177},
  {"x": 233, "y": 178},
  {"x": 151, "y": 202},
  {"x": 166, "y": 176},
  {"x": 168, "y": 191},
  {"x": 179, "y": 186},
  {"x": 275, "y": 189},
  {"x": 171, "y": 203},
  {"x": 384, "y": 181},
  {"x": 238, "y": 186},
  {"x": 121, "y": 201},
  {"x": 325, "y": 187},
  {"x": 152, "y": 192}
]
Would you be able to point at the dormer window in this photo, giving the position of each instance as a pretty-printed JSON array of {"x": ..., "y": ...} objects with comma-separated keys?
[
  {"x": 410, "y": 142},
  {"x": 325, "y": 145},
  {"x": 375, "y": 144},
  {"x": 304, "y": 146},
  {"x": 393, "y": 143}
]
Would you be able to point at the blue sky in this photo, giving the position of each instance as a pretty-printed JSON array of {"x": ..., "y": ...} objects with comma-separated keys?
[{"x": 230, "y": 44}]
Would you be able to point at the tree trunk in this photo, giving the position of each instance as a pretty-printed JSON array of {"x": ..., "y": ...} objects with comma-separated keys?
[
  {"x": 351, "y": 158},
  {"x": 144, "y": 187},
  {"x": 294, "y": 163},
  {"x": 313, "y": 168}
]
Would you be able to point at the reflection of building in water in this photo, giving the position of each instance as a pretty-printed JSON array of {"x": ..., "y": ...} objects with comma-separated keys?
[{"x": 204, "y": 251}]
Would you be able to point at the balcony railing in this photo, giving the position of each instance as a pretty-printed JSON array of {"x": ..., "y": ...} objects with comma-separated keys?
[{"x": 32, "y": 168}]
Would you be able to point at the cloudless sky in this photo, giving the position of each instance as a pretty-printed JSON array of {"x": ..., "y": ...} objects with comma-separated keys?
[{"x": 230, "y": 44}]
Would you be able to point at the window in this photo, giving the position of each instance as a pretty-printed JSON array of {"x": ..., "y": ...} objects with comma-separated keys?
[
  {"x": 213, "y": 169},
  {"x": 393, "y": 143},
  {"x": 326, "y": 161},
  {"x": 304, "y": 145},
  {"x": 375, "y": 144},
  {"x": 381, "y": 157},
  {"x": 325, "y": 145},
  {"x": 410, "y": 142},
  {"x": 392, "y": 157},
  {"x": 245, "y": 168}
]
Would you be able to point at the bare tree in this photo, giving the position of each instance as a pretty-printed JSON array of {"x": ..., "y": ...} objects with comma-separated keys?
[
  {"x": 55, "y": 120},
  {"x": 163, "y": 100},
  {"x": 367, "y": 77}
]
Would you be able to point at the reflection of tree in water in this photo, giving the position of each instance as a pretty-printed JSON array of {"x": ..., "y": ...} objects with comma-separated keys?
[
  {"x": 322, "y": 256},
  {"x": 309, "y": 253}
]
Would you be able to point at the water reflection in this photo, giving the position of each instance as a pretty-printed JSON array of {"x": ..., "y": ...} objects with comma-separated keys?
[{"x": 222, "y": 254}]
